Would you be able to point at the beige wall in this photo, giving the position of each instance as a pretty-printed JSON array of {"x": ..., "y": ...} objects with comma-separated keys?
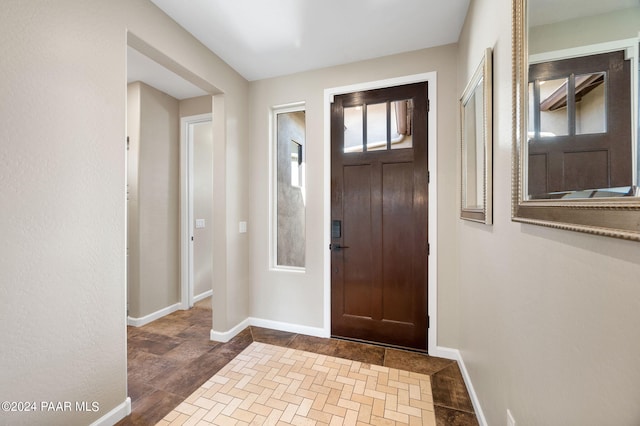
[
  {"x": 618, "y": 25},
  {"x": 196, "y": 106},
  {"x": 153, "y": 205},
  {"x": 296, "y": 298},
  {"x": 548, "y": 318},
  {"x": 62, "y": 156}
]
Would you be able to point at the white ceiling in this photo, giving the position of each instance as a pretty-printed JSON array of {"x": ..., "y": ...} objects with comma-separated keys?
[{"x": 262, "y": 39}]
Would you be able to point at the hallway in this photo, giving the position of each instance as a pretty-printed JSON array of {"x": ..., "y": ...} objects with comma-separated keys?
[{"x": 172, "y": 357}]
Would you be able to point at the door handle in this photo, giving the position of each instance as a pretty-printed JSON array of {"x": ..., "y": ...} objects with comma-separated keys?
[{"x": 337, "y": 247}]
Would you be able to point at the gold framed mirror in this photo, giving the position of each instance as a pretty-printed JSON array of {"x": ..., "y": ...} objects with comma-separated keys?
[
  {"x": 476, "y": 144},
  {"x": 575, "y": 116}
]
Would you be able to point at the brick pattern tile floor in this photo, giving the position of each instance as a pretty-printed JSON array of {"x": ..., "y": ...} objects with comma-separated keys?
[
  {"x": 271, "y": 385},
  {"x": 170, "y": 358}
]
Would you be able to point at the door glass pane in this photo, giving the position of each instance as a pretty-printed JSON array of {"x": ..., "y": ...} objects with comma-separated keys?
[
  {"x": 377, "y": 127},
  {"x": 353, "y": 129},
  {"x": 402, "y": 124},
  {"x": 591, "y": 115},
  {"x": 553, "y": 108}
]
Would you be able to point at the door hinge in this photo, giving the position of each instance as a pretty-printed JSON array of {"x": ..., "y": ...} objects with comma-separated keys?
[
  {"x": 428, "y": 177},
  {"x": 127, "y": 143},
  {"x": 428, "y": 321},
  {"x": 428, "y": 105},
  {"x": 428, "y": 249}
]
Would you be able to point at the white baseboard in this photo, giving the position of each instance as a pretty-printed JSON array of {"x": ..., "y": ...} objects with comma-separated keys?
[
  {"x": 224, "y": 337},
  {"x": 455, "y": 354},
  {"x": 202, "y": 296},
  {"x": 115, "y": 415},
  {"x": 447, "y": 353},
  {"x": 138, "y": 322},
  {"x": 291, "y": 328}
]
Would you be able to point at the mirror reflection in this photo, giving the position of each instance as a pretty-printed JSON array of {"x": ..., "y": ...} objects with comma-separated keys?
[
  {"x": 473, "y": 154},
  {"x": 582, "y": 99},
  {"x": 476, "y": 140}
]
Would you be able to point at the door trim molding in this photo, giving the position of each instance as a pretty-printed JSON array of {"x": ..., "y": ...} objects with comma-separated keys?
[
  {"x": 186, "y": 207},
  {"x": 432, "y": 133}
]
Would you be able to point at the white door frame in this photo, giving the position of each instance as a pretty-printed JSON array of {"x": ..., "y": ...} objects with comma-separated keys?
[{"x": 186, "y": 206}]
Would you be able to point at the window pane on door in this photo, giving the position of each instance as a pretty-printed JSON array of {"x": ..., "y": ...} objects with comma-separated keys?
[
  {"x": 591, "y": 114},
  {"x": 353, "y": 129},
  {"x": 402, "y": 124},
  {"x": 531, "y": 111},
  {"x": 377, "y": 127},
  {"x": 554, "y": 119}
]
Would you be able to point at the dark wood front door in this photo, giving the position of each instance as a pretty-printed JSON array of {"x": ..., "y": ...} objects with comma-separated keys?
[
  {"x": 580, "y": 129},
  {"x": 379, "y": 216}
]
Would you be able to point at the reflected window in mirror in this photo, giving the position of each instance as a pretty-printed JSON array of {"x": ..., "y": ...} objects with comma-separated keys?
[
  {"x": 591, "y": 103},
  {"x": 288, "y": 225},
  {"x": 476, "y": 144},
  {"x": 473, "y": 158}
]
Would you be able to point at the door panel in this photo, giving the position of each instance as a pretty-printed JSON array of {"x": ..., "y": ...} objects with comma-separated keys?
[
  {"x": 397, "y": 212},
  {"x": 358, "y": 240},
  {"x": 379, "y": 193}
]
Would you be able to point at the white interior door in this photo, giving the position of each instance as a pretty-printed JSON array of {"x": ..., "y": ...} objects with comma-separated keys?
[{"x": 196, "y": 208}]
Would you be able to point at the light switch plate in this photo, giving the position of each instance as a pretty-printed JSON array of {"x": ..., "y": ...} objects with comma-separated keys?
[
  {"x": 200, "y": 223},
  {"x": 242, "y": 227}
]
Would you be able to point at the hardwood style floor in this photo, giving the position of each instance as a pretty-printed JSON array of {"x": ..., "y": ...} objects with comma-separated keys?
[{"x": 172, "y": 357}]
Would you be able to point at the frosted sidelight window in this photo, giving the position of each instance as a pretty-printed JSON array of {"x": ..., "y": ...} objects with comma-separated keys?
[{"x": 288, "y": 225}]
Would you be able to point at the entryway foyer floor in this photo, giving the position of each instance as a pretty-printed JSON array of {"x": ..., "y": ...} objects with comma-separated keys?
[{"x": 172, "y": 357}]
